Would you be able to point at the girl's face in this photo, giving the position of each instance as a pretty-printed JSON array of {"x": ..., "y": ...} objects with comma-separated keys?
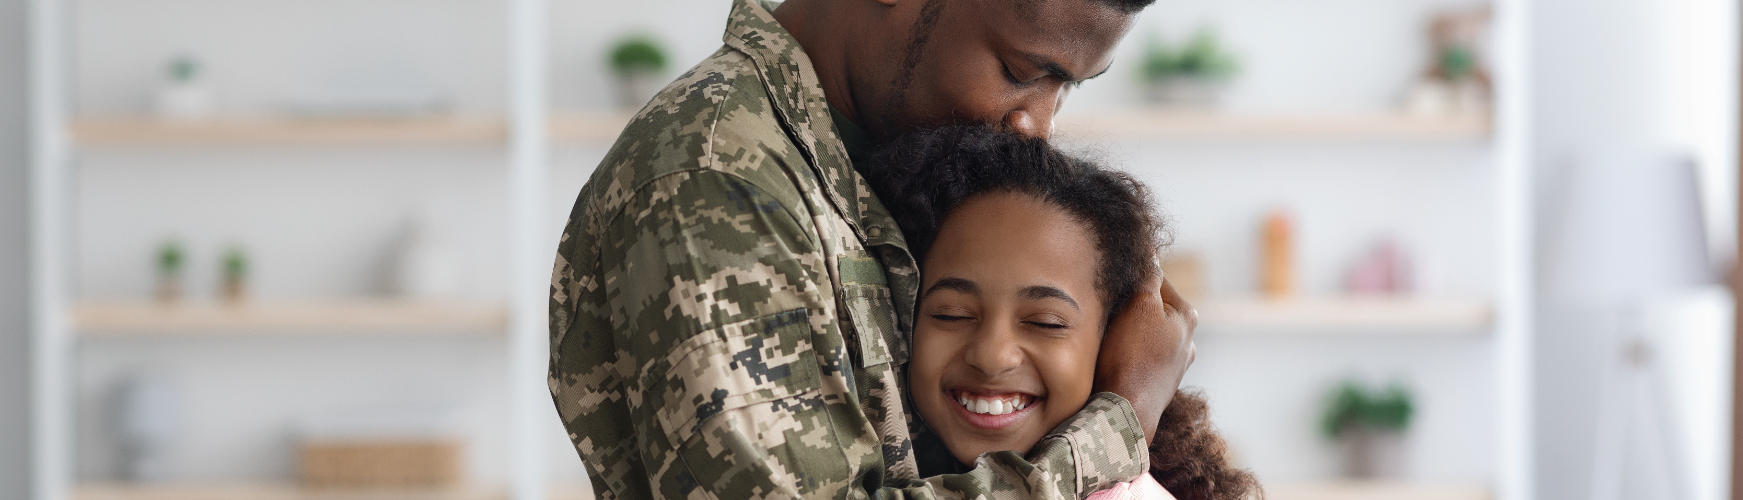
[{"x": 1009, "y": 324}]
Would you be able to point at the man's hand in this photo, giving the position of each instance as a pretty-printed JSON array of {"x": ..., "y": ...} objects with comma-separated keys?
[{"x": 1147, "y": 349}]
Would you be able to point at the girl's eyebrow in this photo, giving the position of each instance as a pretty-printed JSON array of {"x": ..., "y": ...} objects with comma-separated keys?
[
  {"x": 1038, "y": 292},
  {"x": 958, "y": 284}
]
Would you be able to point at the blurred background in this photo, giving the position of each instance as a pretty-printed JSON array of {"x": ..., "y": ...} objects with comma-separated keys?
[{"x": 1442, "y": 249}]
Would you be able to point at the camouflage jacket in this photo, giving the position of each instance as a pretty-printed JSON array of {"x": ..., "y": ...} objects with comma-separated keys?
[{"x": 730, "y": 304}]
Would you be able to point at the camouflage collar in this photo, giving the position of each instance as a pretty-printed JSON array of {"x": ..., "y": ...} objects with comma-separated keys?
[{"x": 797, "y": 94}]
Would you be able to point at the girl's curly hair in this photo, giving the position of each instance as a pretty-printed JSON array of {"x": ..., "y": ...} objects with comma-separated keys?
[
  {"x": 922, "y": 176},
  {"x": 1191, "y": 460}
]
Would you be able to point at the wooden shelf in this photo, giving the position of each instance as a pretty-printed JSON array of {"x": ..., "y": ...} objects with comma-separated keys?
[
  {"x": 293, "y": 492},
  {"x": 1375, "y": 490},
  {"x": 603, "y": 128},
  {"x": 130, "y": 131},
  {"x": 1344, "y": 315},
  {"x": 1345, "y": 490},
  {"x": 1186, "y": 125},
  {"x": 131, "y": 318}
]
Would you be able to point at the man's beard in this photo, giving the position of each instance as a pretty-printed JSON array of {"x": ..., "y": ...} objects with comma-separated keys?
[{"x": 891, "y": 113}]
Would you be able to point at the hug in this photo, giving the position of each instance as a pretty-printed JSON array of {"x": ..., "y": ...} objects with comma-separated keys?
[{"x": 839, "y": 258}]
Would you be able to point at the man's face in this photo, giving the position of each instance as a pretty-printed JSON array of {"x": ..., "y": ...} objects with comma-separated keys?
[{"x": 1009, "y": 63}]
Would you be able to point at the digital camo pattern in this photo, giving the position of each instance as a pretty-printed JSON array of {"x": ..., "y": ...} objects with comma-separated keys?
[{"x": 729, "y": 308}]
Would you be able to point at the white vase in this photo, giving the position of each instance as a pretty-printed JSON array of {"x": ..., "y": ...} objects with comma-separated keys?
[
  {"x": 185, "y": 101},
  {"x": 426, "y": 268},
  {"x": 636, "y": 88},
  {"x": 147, "y": 422},
  {"x": 1374, "y": 454},
  {"x": 1188, "y": 92}
]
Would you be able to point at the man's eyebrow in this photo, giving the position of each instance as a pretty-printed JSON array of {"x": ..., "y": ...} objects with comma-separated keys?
[
  {"x": 958, "y": 284},
  {"x": 1039, "y": 292},
  {"x": 1053, "y": 68}
]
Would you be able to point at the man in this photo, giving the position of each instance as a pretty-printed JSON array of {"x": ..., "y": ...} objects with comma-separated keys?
[{"x": 730, "y": 303}]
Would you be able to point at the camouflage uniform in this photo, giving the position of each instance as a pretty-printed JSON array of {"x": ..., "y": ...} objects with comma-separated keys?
[{"x": 730, "y": 308}]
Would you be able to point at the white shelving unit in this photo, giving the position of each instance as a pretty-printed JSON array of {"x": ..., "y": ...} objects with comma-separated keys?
[
  {"x": 308, "y": 317},
  {"x": 1378, "y": 490},
  {"x": 140, "y": 131},
  {"x": 1188, "y": 125},
  {"x": 1387, "y": 316},
  {"x": 292, "y": 492},
  {"x": 595, "y": 128},
  {"x": 527, "y": 132}
]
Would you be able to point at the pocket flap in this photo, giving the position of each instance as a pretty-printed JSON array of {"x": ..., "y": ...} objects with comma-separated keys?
[{"x": 735, "y": 365}]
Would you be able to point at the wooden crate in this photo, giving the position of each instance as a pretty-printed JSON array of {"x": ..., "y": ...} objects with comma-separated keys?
[{"x": 380, "y": 464}]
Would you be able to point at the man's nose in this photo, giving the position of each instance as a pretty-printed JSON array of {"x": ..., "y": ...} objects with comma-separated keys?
[
  {"x": 1034, "y": 117},
  {"x": 994, "y": 351}
]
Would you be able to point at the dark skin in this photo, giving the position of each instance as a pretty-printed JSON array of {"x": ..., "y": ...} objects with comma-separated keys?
[{"x": 895, "y": 66}]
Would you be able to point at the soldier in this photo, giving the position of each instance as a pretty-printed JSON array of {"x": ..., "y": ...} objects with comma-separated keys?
[{"x": 731, "y": 304}]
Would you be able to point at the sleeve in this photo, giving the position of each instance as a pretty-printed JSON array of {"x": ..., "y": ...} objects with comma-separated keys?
[
  {"x": 712, "y": 290},
  {"x": 1099, "y": 447}
]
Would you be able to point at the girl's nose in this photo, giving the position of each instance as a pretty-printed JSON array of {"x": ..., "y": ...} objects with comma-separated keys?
[{"x": 995, "y": 351}]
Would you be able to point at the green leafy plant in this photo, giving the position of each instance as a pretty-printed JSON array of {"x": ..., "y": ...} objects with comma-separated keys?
[
  {"x": 235, "y": 264},
  {"x": 637, "y": 54},
  {"x": 1351, "y": 405},
  {"x": 1202, "y": 56},
  {"x": 169, "y": 259},
  {"x": 235, "y": 270},
  {"x": 183, "y": 69},
  {"x": 1457, "y": 62}
]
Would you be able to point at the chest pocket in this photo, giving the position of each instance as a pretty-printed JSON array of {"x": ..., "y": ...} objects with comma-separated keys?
[{"x": 866, "y": 296}]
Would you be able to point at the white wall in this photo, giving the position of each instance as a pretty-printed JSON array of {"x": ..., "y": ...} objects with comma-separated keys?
[
  {"x": 1628, "y": 91},
  {"x": 15, "y": 344},
  {"x": 263, "y": 56},
  {"x": 1296, "y": 57}
]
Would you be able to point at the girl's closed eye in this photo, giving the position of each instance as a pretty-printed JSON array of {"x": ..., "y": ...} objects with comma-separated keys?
[{"x": 1049, "y": 322}]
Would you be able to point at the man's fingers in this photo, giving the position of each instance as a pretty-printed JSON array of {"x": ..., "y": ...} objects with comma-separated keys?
[{"x": 1172, "y": 299}]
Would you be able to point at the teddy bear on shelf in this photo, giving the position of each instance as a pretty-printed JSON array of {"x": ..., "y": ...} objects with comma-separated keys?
[{"x": 1455, "y": 82}]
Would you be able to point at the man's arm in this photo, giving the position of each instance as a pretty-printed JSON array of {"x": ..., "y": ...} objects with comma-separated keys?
[{"x": 1094, "y": 449}]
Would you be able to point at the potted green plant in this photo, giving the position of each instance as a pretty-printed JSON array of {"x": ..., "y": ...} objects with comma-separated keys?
[
  {"x": 1369, "y": 426},
  {"x": 234, "y": 269},
  {"x": 1193, "y": 74},
  {"x": 168, "y": 263},
  {"x": 184, "y": 95},
  {"x": 637, "y": 61}
]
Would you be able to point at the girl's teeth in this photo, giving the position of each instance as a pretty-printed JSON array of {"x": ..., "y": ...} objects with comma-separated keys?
[{"x": 991, "y": 406}]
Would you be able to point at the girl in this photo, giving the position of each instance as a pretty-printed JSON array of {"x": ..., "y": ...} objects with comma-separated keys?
[{"x": 1025, "y": 254}]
